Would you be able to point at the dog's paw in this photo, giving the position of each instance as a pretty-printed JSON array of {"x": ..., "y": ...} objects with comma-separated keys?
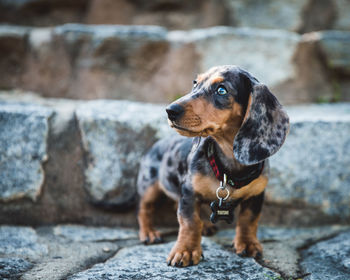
[
  {"x": 248, "y": 248},
  {"x": 150, "y": 237},
  {"x": 208, "y": 229},
  {"x": 181, "y": 256}
]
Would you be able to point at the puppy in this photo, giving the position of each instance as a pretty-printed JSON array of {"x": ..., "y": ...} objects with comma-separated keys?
[{"x": 237, "y": 123}]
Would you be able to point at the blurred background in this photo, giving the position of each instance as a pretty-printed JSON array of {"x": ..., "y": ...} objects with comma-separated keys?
[{"x": 70, "y": 148}]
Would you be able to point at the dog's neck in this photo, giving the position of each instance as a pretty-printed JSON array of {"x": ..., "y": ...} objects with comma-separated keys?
[{"x": 225, "y": 142}]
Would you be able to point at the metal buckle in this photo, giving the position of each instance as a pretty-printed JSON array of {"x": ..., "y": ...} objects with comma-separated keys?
[{"x": 223, "y": 188}]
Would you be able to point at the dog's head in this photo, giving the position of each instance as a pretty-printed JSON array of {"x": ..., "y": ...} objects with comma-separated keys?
[{"x": 228, "y": 97}]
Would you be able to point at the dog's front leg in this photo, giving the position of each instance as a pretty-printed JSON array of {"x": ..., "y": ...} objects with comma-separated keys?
[
  {"x": 187, "y": 249},
  {"x": 246, "y": 242}
]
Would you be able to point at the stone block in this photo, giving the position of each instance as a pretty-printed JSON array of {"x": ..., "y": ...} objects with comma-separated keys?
[
  {"x": 270, "y": 14},
  {"x": 141, "y": 262},
  {"x": 21, "y": 242},
  {"x": 13, "y": 268},
  {"x": 322, "y": 62},
  {"x": 226, "y": 45},
  {"x": 23, "y": 150},
  {"x": 13, "y": 54},
  {"x": 115, "y": 134},
  {"x": 93, "y": 234},
  {"x": 329, "y": 259},
  {"x": 311, "y": 168}
]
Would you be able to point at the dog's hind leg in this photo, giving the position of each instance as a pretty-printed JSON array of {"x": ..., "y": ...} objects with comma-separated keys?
[{"x": 147, "y": 234}]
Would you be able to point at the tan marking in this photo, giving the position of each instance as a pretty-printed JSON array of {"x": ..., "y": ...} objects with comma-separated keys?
[
  {"x": 206, "y": 186},
  {"x": 254, "y": 188},
  {"x": 248, "y": 108},
  {"x": 188, "y": 244},
  {"x": 146, "y": 211},
  {"x": 217, "y": 80}
]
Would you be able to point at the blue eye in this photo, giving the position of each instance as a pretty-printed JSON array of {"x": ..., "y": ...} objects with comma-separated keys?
[{"x": 221, "y": 90}]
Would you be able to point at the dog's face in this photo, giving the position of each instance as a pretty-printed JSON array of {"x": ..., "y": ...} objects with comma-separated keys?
[{"x": 228, "y": 97}]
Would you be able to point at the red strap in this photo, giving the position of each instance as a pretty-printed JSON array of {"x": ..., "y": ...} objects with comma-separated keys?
[{"x": 215, "y": 168}]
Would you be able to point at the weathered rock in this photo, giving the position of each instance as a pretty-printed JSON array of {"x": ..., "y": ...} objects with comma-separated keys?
[
  {"x": 83, "y": 233},
  {"x": 173, "y": 15},
  {"x": 269, "y": 14},
  {"x": 307, "y": 188},
  {"x": 329, "y": 259},
  {"x": 322, "y": 62},
  {"x": 13, "y": 268},
  {"x": 149, "y": 63},
  {"x": 115, "y": 135},
  {"x": 311, "y": 167},
  {"x": 64, "y": 198},
  {"x": 281, "y": 245},
  {"x": 343, "y": 9},
  {"x": 50, "y": 256},
  {"x": 335, "y": 45},
  {"x": 141, "y": 262},
  {"x": 226, "y": 45},
  {"x": 13, "y": 54},
  {"x": 46, "y": 13},
  {"x": 21, "y": 242},
  {"x": 318, "y": 15},
  {"x": 23, "y": 149},
  {"x": 297, "y": 15},
  {"x": 66, "y": 258}
]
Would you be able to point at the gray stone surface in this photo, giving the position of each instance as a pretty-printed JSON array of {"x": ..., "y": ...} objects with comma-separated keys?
[
  {"x": 281, "y": 245},
  {"x": 84, "y": 233},
  {"x": 221, "y": 45},
  {"x": 336, "y": 48},
  {"x": 21, "y": 242},
  {"x": 329, "y": 259},
  {"x": 115, "y": 135},
  {"x": 141, "y": 262},
  {"x": 46, "y": 253},
  {"x": 109, "y": 61},
  {"x": 13, "y": 268},
  {"x": 66, "y": 258},
  {"x": 312, "y": 166},
  {"x": 270, "y": 14},
  {"x": 23, "y": 149}
]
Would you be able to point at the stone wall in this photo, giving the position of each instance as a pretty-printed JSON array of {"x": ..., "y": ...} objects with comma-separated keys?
[
  {"x": 152, "y": 64},
  {"x": 65, "y": 161},
  {"x": 296, "y": 15}
]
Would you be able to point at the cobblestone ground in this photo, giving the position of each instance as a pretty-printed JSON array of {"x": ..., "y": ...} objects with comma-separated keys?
[{"x": 80, "y": 252}]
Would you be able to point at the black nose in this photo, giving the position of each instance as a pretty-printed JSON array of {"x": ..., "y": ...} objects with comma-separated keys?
[{"x": 174, "y": 111}]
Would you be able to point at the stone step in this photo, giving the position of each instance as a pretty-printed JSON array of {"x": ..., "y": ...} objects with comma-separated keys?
[
  {"x": 85, "y": 252},
  {"x": 301, "y": 16},
  {"x": 152, "y": 64},
  {"x": 68, "y": 161}
]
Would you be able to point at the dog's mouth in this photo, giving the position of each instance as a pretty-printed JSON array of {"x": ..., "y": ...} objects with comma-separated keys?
[
  {"x": 188, "y": 132},
  {"x": 182, "y": 128}
]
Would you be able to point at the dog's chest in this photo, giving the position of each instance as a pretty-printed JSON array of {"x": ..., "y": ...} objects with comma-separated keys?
[{"x": 206, "y": 186}]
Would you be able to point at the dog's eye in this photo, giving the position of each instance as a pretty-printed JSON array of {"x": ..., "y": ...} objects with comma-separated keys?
[
  {"x": 221, "y": 90},
  {"x": 194, "y": 83}
]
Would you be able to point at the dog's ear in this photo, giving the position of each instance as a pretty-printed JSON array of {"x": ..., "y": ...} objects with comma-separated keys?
[{"x": 264, "y": 127}]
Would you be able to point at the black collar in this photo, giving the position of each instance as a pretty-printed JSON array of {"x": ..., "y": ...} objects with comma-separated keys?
[{"x": 254, "y": 171}]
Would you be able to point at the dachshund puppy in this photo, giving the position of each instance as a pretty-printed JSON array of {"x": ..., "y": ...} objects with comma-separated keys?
[{"x": 237, "y": 123}]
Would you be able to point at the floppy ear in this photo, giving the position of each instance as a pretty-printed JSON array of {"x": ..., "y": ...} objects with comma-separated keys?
[{"x": 264, "y": 128}]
